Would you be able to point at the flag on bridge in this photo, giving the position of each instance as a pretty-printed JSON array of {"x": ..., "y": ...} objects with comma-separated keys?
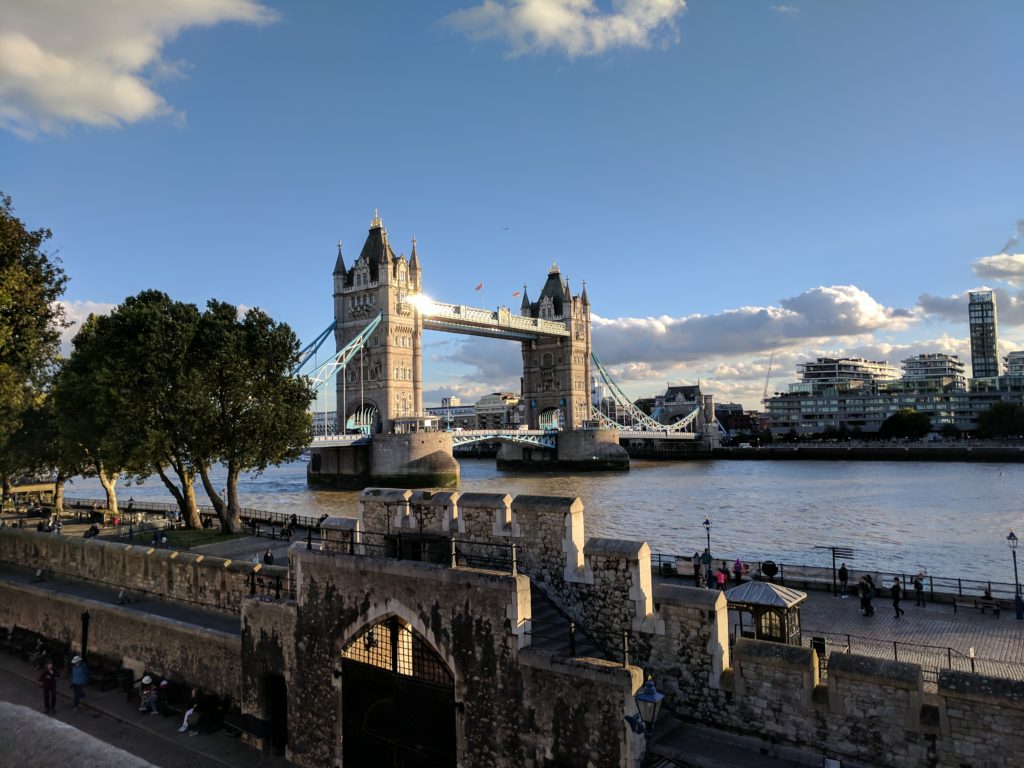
[{"x": 479, "y": 287}]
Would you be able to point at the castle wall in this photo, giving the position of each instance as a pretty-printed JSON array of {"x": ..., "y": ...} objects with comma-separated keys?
[
  {"x": 141, "y": 641},
  {"x": 210, "y": 582}
]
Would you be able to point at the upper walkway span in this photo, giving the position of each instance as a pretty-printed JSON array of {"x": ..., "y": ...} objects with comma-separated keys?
[{"x": 497, "y": 324}]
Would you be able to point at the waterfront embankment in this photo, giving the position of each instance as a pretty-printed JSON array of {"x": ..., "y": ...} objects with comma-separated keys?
[{"x": 900, "y": 452}]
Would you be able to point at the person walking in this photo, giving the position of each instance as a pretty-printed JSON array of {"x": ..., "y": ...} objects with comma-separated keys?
[
  {"x": 897, "y": 594},
  {"x": 79, "y": 677},
  {"x": 919, "y": 590},
  {"x": 48, "y": 682},
  {"x": 695, "y": 562},
  {"x": 844, "y": 578}
]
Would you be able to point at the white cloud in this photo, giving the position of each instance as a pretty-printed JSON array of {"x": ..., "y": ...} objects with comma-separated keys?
[
  {"x": 77, "y": 312},
  {"x": 573, "y": 27},
  {"x": 819, "y": 313},
  {"x": 1009, "y": 306},
  {"x": 786, "y": 10},
  {"x": 1003, "y": 266},
  {"x": 94, "y": 62}
]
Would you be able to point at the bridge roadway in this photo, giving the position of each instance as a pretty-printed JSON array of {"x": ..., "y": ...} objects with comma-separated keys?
[
  {"x": 497, "y": 324},
  {"x": 544, "y": 438}
]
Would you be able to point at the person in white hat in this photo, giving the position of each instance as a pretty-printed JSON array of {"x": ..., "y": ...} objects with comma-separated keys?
[
  {"x": 148, "y": 695},
  {"x": 79, "y": 677}
]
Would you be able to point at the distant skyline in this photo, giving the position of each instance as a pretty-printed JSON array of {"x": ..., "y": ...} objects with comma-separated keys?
[{"x": 815, "y": 178}]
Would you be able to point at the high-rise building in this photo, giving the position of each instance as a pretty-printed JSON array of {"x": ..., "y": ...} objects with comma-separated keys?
[
  {"x": 828, "y": 373},
  {"x": 1014, "y": 364},
  {"x": 984, "y": 343}
]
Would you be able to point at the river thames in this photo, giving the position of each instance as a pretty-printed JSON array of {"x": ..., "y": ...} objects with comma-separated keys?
[{"x": 950, "y": 519}]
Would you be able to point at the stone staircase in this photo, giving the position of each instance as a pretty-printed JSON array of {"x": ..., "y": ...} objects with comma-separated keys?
[{"x": 550, "y": 630}]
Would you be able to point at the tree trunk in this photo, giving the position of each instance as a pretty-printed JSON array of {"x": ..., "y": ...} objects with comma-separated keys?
[
  {"x": 215, "y": 499},
  {"x": 231, "y": 520},
  {"x": 186, "y": 495},
  {"x": 58, "y": 494},
  {"x": 108, "y": 481},
  {"x": 7, "y": 488}
]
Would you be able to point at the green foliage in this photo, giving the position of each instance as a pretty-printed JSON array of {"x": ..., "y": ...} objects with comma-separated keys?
[
  {"x": 907, "y": 424},
  {"x": 31, "y": 319},
  {"x": 1001, "y": 420},
  {"x": 158, "y": 387}
]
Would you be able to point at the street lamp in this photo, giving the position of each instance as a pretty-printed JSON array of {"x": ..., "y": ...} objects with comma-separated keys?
[
  {"x": 1018, "y": 603},
  {"x": 707, "y": 529},
  {"x": 648, "y": 705}
]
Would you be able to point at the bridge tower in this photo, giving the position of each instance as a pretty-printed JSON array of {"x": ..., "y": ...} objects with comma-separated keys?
[
  {"x": 556, "y": 370},
  {"x": 387, "y": 382}
]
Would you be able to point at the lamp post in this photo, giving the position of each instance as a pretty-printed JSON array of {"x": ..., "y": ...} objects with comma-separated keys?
[
  {"x": 1018, "y": 603},
  {"x": 648, "y": 705},
  {"x": 707, "y": 529}
]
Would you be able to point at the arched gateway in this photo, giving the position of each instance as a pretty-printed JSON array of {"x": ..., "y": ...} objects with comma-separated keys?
[{"x": 398, "y": 700}]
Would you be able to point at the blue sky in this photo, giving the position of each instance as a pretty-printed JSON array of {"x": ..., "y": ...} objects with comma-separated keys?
[{"x": 730, "y": 178}]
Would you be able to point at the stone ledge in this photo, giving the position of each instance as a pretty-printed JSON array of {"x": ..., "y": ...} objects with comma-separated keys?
[
  {"x": 581, "y": 666},
  {"x": 898, "y": 674},
  {"x": 779, "y": 654},
  {"x": 681, "y": 596},
  {"x": 981, "y": 688},
  {"x": 617, "y": 548},
  {"x": 565, "y": 504}
]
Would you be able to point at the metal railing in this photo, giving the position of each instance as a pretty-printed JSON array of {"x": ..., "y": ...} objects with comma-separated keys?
[
  {"x": 931, "y": 658},
  {"x": 936, "y": 588}
]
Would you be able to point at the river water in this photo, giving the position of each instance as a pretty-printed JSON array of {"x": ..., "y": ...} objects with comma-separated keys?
[{"x": 950, "y": 519}]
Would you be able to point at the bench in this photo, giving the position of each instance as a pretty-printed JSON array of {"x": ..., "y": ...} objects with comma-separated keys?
[
  {"x": 978, "y": 603},
  {"x": 235, "y": 723}
]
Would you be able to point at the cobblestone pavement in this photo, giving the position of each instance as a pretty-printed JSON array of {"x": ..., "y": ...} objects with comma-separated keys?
[{"x": 933, "y": 636}]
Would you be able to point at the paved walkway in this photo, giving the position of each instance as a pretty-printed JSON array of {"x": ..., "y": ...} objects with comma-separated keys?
[{"x": 108, "y": 716}]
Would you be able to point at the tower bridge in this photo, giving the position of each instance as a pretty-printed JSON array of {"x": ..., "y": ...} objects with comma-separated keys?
[{"x": 380, "y": 313}]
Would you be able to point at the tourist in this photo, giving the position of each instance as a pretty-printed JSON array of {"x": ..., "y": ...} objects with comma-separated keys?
[
  {"x": 268, "y": 557},
  {"x": 48, "y": 682},
  {"x": 695, "y": 560},
  {"x": 722, "y": 577},
  {"x": 897, "y": 594},
  {"x": 705, "y": 562},
  {"x": 38, "y": 655},
  {"x": 737, "y": 571},
  {"x": 193, "y": 715},
  {"x": 919, "y": 590},
  {"x": 148, "y": 695},
  {"x": 79, "y": 677},
  {"x": 872, "y": 590},
  {"x": 844, "y": 578}
]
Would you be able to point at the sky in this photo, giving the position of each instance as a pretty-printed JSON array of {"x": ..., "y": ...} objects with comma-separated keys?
[{"x": 737, "y": 182}]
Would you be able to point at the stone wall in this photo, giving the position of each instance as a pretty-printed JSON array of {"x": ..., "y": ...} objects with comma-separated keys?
[
  {"x": 516, "y": 706},
  {"x": 172, "y": 649},
  {"x": 211, "y": 582}
]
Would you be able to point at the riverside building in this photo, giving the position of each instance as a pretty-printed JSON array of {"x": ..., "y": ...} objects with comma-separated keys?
[
  {"x": 860, "y": 394},
  {"x": 981, "y": 312}
]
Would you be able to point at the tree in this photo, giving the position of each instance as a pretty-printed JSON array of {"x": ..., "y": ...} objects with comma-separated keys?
[
  {"x": 145, "y": 392},
  {"x": 906, "y": 423},
  {"x": 31, "y": 320},
  {"x": 1001, "y": 420},
  {"x": 259, "y": 410}
]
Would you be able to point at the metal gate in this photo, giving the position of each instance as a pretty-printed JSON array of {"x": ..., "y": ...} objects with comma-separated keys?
[{"x": 397, "y": 701}]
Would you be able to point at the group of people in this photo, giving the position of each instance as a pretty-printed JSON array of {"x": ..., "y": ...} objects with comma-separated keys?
[
  {"x": 704, "y": 575},
  {"x": 151, "y": 697},
  {"x": 48, "y": 682},
  {"x": 866, "y": 591}
]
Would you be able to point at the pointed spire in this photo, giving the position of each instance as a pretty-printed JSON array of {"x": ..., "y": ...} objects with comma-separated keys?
[
  {"x": 376, "y": 223},
  {"x": 583, "y": 296},
  {"x": 554, "y": 269},
  {"x": 414, "y": 260},
  {"x": 525, "y": 305},
  {"x": 339, "y": 265}
]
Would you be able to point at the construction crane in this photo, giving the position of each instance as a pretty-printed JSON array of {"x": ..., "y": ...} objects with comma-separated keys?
[{"x": 768, "y": 376}]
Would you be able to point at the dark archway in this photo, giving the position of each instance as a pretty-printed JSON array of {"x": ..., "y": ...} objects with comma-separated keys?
[{"x": 397, "y": 700}]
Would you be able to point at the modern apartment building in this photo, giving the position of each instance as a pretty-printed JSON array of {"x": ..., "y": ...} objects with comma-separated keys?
[
  {"x": 981, "y": 312},
  {"x": 828, "y": 373},
  {"x": 935, "y": 369}
]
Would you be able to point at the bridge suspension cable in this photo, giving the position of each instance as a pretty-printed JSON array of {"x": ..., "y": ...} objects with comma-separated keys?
[
  {"x": 311, "y": 349},
  {"x": 327, "y": 370},
  {"x": 639, "y": 419}
]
